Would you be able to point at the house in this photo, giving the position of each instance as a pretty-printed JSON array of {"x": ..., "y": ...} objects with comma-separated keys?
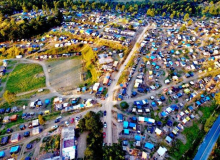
[
  {"x": 15, "y": 137},
  {"x": 161, "y": 151},
  {"x": 6, "y": 119},
  {"x": 168, "y": 139},
  {"x": 149, "y": 145},
  {"x": 35, "y": 131}
]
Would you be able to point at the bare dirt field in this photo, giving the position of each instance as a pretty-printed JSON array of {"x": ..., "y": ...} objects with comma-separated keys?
[
  {"x": 82, "y": 144},
  {"x": 65, "y": 75}
]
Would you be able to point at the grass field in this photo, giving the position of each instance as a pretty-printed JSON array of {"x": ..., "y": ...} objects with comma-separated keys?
[{"x": 25, "y": 77}]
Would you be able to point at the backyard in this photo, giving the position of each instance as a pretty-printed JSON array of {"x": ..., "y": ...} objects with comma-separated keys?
[{"x": 25, "y": 77}]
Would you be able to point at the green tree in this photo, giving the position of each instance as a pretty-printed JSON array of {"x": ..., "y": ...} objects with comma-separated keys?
[
  {"x": 186, "y": 17},
  {"x": 164, "y": 14},
  {"x": 190, "y": 22},
  {"x": 124, "y": 105},
  {"x": 113, "y": 152},
  {"x": 217, "y": 98},
  {"x": 41, "y": 119},
  {"x": 171, "y": 16},
  {"x": 9, "y": 97}
]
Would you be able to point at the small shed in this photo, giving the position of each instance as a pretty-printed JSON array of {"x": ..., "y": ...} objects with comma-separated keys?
[
  {"x": 6, "y": 119},
  {"x": 125, "y": 124},
  {"x": 14, "y": 117},
  {"x": 14, "y": 149},
  {"x": 126, "y": 131},
  {"x": 2, "y": 154},
  {"x": 161, "y": 151}
]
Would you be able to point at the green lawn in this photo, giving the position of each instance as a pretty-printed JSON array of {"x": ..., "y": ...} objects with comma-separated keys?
[{"x": 25, "y": 77}]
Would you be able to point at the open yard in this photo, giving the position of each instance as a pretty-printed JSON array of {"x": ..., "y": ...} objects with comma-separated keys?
[
  {"x": 25, "y": 77},
  {"x": 65, "y": 74}
]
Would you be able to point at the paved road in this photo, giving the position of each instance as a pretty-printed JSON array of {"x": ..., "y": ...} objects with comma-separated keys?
[
  {"x": 209, "y": 141},
  {"x": 109, "y": 101}
]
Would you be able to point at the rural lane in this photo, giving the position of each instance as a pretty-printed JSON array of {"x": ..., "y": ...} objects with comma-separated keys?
[{"x": 108, "y": 103}]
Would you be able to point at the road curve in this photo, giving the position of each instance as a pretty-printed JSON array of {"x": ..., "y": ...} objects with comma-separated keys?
[{"x": 209, "y": 141}]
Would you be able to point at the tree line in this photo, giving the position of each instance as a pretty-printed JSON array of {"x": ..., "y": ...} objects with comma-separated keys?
[{"x": 169, "y": 7}]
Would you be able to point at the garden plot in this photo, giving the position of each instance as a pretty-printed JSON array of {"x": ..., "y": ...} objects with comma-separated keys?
[{"x": 65, "y": 75}]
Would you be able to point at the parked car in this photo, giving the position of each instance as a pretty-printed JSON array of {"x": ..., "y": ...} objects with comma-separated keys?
[
  {"x": 29, "y": 146},
  {"x": 104, "y": 113},
  {"x": 9, "y": 130},
  {"x": 54, "y": 127},
  {"x": 8, "y": 110},
  {"x": 104, "y": 134},
  {"x": 27, "y": 134},
  {"x": 67, "y": 123},
  {"x": 56, "y": 121},
  {"x": 105, "y": 125}
]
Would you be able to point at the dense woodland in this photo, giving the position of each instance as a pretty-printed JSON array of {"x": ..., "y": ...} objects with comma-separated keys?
[{"x": 10, "y": 29}]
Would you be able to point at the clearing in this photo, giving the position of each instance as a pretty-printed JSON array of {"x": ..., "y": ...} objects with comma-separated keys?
[
  {"x": 64, "y": 75},
  {"x": 25, "y": 77}
]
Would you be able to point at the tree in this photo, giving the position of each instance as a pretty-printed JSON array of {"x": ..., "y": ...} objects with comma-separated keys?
[
  {"x": 41, "y": 119},
  {"x": 164, "y": 14},
  {"x": 124, "y": 105},
  {"x": 217, "y": 98},
  {"x": 186, "y": 17},
  {"x": 9, "y": 97},
  {"x": 113, "y": 152},
  {"x": 190, "y": 22},
  {"x": 171, "y": 16}
]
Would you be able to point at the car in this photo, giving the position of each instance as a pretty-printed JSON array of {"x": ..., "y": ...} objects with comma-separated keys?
[
  {"x": 4, "y": 140},
  {"x": 29, "y": 146},
  {"x": 27, "y": 134},
  {"x": 72, "y": 120},
  {"x": 67, "y": 123},
  {"x": 77, "y": 118},
  {"x": 8, "y": 110},
  {"x": 22, "y": 127},
  {"x": 9, "y": 130},
  {"x": 56, "y": 121},
  {"x": 30, "y": 125},
  {"x": 54, "y": 127},
  {"x": 105, "y": 125},
  {"x": 91, "y": 92},
  {"x": 24, "y": 115},
  {"x": 104, "y": 134},
  {"x": 104, "y": 113},
  {"x": 106, "y": 95},
  {"x": 60, "y": 117},
  {"x": 109, "y": 83}
]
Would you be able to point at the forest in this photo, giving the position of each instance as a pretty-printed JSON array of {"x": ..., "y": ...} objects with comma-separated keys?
[{"x": 10, "y": 29}]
